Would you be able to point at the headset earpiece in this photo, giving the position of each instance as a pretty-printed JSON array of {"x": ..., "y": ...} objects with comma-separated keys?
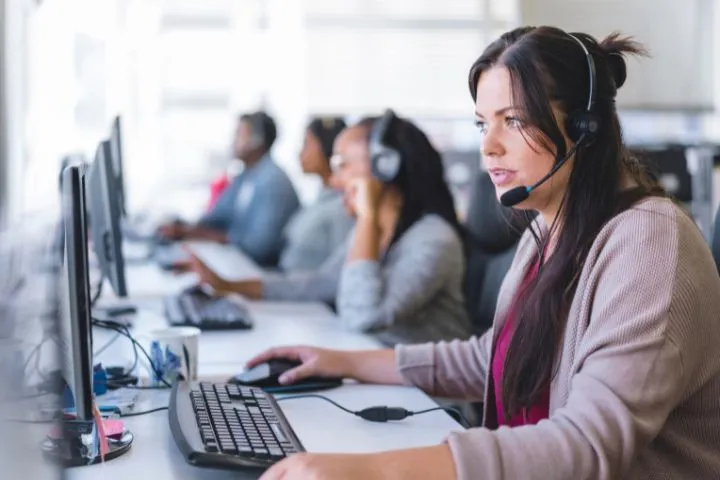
[
  {"x": 582, "y": 125},
  {"x": 385, "y": 161}
]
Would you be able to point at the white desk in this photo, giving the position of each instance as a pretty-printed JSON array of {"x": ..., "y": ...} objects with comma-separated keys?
[
  {"x": 320, "y": 426},
  {"x": 275, "y": 324}
]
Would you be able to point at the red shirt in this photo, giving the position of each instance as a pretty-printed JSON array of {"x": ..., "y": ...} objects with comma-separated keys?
[
  {"x": 538, "y": 411},
  {"x": 217, "y": 187}
]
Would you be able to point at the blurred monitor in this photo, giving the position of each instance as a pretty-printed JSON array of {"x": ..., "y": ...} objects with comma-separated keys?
[
  {"x": 76, "y": 324},
  {"x": 668, "y": 165},
  {"x": 103, "y": 201},
  {"x": 117, "y": 163}
]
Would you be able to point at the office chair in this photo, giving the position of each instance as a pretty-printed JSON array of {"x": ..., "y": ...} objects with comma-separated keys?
[{"x": 492, "y": 234}]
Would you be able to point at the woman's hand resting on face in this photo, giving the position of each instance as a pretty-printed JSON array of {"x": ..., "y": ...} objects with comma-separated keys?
[{"x": 363, "y": 196}]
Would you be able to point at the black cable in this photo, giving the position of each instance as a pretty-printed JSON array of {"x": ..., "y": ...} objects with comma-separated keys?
[
  {"x": 136, "y": 414},
  {"x": 293, "y": 397},
  {"x": 125, "y": 331},
  {"x": 382, "y": 413},
  {"x": 117, "y": 327},
  {"x": 98, "y": 291},
  {"x": 454, "y": 410}
]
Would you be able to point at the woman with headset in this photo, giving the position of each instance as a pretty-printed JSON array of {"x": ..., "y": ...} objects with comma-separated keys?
[
  {"x": 602, "y": 361},
  {"x": 400, "y": 274},
  {"x": 314, "y": 232}
]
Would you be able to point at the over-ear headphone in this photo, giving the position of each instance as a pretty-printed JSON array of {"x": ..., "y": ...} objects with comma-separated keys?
[
  {"x": 584, "y": 124},
  {"x": 385, "y": 161}
]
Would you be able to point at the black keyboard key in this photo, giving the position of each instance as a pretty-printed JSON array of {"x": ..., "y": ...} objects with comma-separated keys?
[
  {"x": 261, "y": 453},
  {"x": 278, "y": 433},
  {"x": 276, "y": 453},
  {"x": 228, "y": 448},
  {"x": 245, "y": 450}
]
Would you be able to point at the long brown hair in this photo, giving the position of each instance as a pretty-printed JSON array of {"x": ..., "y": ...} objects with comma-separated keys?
[{"x": 547, "y": 67}]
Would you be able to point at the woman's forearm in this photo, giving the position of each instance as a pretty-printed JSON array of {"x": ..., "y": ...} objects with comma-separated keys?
[
  {"x": 366, "y": 241},
  {"x": 374, "y": 366}
]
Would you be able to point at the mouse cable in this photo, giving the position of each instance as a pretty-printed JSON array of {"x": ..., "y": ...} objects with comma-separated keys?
[
  {"x": 123, "y": 330},
  {"x": 382, "y": 413}
]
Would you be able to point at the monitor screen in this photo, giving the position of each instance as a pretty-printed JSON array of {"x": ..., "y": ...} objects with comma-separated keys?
[
  {"x": 117, "y": 163},
  {"x": 105, "y": 219},
  {"x": 76, "y": 319}
]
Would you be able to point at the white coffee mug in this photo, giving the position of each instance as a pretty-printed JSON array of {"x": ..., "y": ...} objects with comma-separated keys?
[{"x": 174, "y": 354}]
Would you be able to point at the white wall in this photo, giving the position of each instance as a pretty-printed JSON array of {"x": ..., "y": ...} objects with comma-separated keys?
[
  {"x": 12, "y": 118},
  {"x": 677, "y": 33}
]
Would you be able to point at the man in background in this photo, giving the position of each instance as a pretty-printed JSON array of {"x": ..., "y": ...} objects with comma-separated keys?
[{"x": 253, "y": 209}]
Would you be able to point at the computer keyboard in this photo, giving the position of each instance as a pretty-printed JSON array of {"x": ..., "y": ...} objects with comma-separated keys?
[
  {"x": 227, "y": 426},
  {"x": 205, "y": 312}
]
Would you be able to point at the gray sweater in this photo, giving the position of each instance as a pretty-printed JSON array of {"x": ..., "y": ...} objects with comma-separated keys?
[
  {"x": 636, "y": 390},
  {"x": 415, "y": 295},
  {"x": 315, "y": 232}
]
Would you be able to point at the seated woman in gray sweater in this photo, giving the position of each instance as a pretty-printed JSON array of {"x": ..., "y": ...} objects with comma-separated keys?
[
  {"x": 317, "y": 230},
  {"x": 603, "y": 359},
  {"x": 400, "y": 273}
]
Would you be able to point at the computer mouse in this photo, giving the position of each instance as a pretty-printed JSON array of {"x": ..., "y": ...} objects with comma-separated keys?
[{"x": 266, "y": 375}]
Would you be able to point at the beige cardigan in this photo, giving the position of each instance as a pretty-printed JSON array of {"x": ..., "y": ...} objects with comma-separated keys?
[{"x": 637, "y": 389}]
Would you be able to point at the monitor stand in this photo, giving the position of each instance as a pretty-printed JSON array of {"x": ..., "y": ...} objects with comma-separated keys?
[{"x": 72, "y": 450}]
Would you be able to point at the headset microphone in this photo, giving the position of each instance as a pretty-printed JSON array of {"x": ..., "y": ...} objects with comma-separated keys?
[{"x": 519, "y": 194}]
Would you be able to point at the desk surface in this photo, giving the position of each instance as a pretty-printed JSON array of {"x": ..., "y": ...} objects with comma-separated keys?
[
  {"x": 320, "y": 426},
  {"x": 275, "y": 324}
]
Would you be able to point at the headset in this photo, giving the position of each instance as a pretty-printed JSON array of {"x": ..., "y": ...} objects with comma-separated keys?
[
  {"x": 385, "y": 161},
  {"x": 581, "y": 127}
]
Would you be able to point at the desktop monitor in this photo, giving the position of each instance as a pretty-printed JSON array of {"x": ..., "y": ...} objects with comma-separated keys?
[
  {"x": 105, "y": 219},
  {"x": 117, "y": 163},
  {"x": 73, "y": 448},
  {"x": 76, "y": 323}
]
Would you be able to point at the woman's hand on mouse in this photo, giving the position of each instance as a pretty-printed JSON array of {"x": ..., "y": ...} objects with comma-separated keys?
[
  {"x": 316, "y": 362},
  {"x": 369, "y": 366}
]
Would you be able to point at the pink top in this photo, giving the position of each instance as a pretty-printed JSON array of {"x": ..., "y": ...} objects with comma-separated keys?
[
  {"x": 217, "y": 187},
  {"x": 538, "y": 411}
]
